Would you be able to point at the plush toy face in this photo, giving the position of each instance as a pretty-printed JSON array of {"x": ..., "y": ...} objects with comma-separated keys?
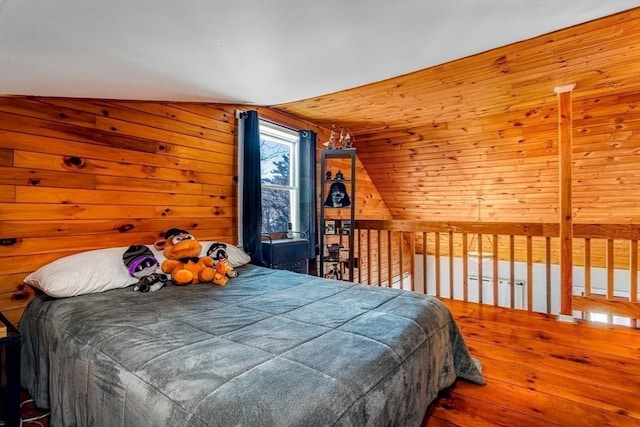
[
  {"x": 140, "y": 261},
  {"x": 182, "y": 245},
  {"x": 218, "y": 251}
]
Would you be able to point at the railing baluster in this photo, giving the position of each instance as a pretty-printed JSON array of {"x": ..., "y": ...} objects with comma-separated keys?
[
  {"x": 547, "y": 249},
  {"x": 379, "y": 258},
  {"x": 412, "y": 240},
  {"x": 587, "y": 266},
  {"x": 480, "y": 272},
  {"x": 401, "y": 258},
  {"x": 512, "y": 272},
  {"x": 437, "y": 236},
  {"x": 610, "y": 268},
  {"x": 633, "y": 275},
  {"x": 529, "y": 273},
  {"x": 450, "y": 264},
  {"x": 358, "y": 244},
  {"x": 424, "y": 262},
  {"x": 610, "y": 274},
  {"x": 369, "y": 277},
  {"x": 587, "y": 271},
  {"x": 496, "y": 277},
  {"x": 465, "y": 268},
  {"x": 389, "y": 260}
]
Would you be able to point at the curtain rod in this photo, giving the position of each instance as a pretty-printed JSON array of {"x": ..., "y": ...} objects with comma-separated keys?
[
  {"x": 279, "y": 124},
  {"x": 240, "y": 114}
]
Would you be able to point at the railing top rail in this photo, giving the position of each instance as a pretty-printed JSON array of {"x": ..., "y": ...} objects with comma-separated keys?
[
  {"x": 607, "y": 231},
  {"x": 500, "y": 228},
  {"x": 594, "y": 231}
]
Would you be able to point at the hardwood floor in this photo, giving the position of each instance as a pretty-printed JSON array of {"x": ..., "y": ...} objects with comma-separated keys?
[{"x": 541, "y": 372}]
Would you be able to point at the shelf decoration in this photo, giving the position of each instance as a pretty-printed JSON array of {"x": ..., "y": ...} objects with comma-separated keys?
[
  {"x": 329, "y": 227},
  {"x": 333, "y": 249},
  {"x": 340, "y": 139},
  {"x": 337, "y": 197}
]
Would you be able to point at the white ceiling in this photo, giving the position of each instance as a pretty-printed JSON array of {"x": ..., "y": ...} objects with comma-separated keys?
[{"x": 260, "y": 52}]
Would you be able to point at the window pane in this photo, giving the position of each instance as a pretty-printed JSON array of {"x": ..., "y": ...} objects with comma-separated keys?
[
  {"x": 275, "y": 161},
  {"x": 276, "y": 210}
]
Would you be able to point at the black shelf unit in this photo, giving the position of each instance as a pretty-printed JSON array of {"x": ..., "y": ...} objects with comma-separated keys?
[{"x": 343, "y": 265}]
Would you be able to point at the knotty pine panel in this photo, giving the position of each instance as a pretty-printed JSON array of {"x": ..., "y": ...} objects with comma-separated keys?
[
  {"x": 7, "y": 193},
  {"x": 76, "y": 155},
  {"x": 82, "y": 174},
  {"x": 87, "y": 174},
  {"x": 36, "y": 163},
  {"x": 6, "y": 157},
  {"x": 21, "y": 177},
  {"x": 76, "y": 227},
  {"x": 489, "y": 121},
  {"x": 486, "y": 127},
  {"x": 165, "y": 117},
  {"x": 210, "y": 116}
]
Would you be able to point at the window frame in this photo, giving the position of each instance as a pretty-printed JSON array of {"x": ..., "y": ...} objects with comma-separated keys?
[{"x": 287, "y": 136}]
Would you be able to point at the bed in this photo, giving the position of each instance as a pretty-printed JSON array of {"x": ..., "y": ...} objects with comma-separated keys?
[{"x": 271, "y": 348}]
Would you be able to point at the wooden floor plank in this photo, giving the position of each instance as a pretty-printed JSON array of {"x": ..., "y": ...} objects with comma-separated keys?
[
  {"x": 543, "y": 372},
  {"x": 559, "y": 361},
  {"x": 573, "y": 337},
  {"x": 526, "y": 375},
  {"x": 464, "y": 410}
]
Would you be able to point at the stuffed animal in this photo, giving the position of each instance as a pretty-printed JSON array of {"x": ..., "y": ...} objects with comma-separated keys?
[
  {"x": 151, "y": 283},
  {"x": 183, "y": 262},
  {"x": 218, "y": 252},
  {"x": 223, "y": 272},
  {"x": 143, "y": 265}
]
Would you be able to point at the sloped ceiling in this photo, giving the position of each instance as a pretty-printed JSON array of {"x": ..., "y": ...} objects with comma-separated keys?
[
  {"x": 261, "y": 52},
  {"x": 484, "y": 128}
]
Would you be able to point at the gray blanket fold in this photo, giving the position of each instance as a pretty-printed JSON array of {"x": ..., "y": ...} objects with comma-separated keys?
[{"x": 272, "y": 348}]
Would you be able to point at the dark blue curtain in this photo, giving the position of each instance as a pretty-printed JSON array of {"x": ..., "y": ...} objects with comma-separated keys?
[
  {"x": 252, "y": 189},
  {"x": 308, "y": 215}
]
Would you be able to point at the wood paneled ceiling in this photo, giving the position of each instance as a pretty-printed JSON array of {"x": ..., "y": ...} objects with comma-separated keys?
[
  {"x": 599, "y": 57},
  {"x": 490, "y": 120}
]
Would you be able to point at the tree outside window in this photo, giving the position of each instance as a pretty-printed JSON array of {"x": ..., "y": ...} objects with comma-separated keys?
[{"x": 278, "y": 162}]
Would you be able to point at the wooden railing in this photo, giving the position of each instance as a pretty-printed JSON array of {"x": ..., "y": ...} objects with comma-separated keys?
[{"x": 519, "y": 262}]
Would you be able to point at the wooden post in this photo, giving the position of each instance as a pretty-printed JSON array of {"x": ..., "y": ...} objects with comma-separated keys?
[{"x": 565, "y": 130}]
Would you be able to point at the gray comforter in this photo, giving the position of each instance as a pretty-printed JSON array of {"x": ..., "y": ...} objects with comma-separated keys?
[{"x": 272, "y": 348}]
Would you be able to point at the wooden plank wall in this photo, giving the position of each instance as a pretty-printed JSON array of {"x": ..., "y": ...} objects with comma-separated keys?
[
  {"x": 486, "y": 127},
  {"x": 82, "y": 174},
  {"x": 86, "y": 174},
  {"x": 501, "y": 144}
]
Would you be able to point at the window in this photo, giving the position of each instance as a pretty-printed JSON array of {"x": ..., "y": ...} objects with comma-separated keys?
[{"x": 279, "y": 168}]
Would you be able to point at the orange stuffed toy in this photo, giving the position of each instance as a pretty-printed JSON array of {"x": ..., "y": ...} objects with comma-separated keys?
[
  {"x": 223, "y": 272},
  {"x": 220, "y": 277},
  {"x": 183, "y": 262}
]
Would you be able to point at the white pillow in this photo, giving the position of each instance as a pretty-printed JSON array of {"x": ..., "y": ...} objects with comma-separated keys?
[
  {"x": 83, "y": 273},
  {"x": 237, "y": 257}
]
